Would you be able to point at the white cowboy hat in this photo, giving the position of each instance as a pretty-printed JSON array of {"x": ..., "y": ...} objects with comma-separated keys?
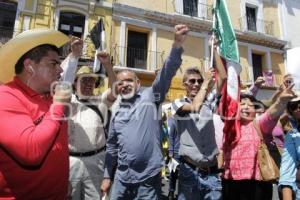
[{"x": 15, "y": 48}]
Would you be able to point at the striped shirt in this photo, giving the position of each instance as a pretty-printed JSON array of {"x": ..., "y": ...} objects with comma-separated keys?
[{"x": 196, "y": 131}]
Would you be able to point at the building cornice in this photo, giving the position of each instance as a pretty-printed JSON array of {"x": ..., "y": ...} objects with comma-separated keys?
[
  {"x": 260, "y": 39},
  {"x": 195, "y": 24}
]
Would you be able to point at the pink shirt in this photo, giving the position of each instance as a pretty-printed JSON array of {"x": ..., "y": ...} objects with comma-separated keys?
[
  {"x": 33, "y": 146},
  {"x": 240, "y": 160}
]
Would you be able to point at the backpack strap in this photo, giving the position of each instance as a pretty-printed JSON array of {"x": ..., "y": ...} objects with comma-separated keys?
[{"x": 98, "y": 112}]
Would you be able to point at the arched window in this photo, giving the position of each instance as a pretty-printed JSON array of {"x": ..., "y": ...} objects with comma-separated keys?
[{"x": 72, "y": 23}]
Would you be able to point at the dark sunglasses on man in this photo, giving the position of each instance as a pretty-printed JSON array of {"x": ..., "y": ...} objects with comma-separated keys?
[
  {"x": 194, "y": 80},
  {"x": 288, "y": 82}
]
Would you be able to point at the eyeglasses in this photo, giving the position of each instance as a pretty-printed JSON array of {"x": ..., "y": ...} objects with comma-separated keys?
[
  {"x": 294, "y": 106},
  {"x": 193, "y": 81},
  {"x": 127, "y": 81},
  {"x": 87, "y": 79},
  {"x": 289, "y": 82}
]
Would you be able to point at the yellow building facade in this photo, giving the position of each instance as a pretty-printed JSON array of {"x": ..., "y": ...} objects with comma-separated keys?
[
  {"x": 69, "y": 16},
  {"x": 261, "y": 49},
  {"x": 139, "y": 34}
]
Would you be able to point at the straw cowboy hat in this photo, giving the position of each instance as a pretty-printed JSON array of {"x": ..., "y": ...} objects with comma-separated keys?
[
  {"x": 15, "y": 48},
  {"x": 84, "y": 70}
]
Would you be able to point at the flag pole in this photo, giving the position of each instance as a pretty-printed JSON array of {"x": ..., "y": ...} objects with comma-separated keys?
[{"x": 213, "y": 40}]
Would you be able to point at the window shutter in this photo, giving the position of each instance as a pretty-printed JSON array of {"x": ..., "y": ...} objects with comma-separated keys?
[
  {"x": 202, "y": 9},
  {"x": 179, "y": 6}
]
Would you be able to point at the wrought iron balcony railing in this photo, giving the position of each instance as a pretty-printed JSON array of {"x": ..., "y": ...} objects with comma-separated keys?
[
  {"x": 258, "y": 25},
  {"x": 137, "y": 58},
  {"x": 195, "y": 9}
]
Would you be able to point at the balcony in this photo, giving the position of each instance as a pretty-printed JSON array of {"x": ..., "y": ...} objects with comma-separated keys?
[
  {"x": 137, "y": 58},
  {"x": 258, "y": 25},
  {"x": 194, "y": 9}
]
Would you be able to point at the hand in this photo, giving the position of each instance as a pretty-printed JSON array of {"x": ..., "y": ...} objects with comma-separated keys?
[
  {"x": 105, "y": 186},
  {"x": 259, "y": 81},
  {"x": 181, "y": 32},
  {"x": 209, "y": 78},
  {"x": 62, "y": 94},
  {"x": 156, "y": 71},
  {"x": 213, "y": 40},
  {"x": 288, "y": 80},
  {"x": 104, "y": 57},
  {"x": 76, "y": 47},
  {"x": 287, "y": 94},
  {"x": 281, "y": 88}
]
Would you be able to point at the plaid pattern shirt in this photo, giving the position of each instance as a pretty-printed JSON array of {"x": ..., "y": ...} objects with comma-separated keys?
[{"x": 241, "y": 159}]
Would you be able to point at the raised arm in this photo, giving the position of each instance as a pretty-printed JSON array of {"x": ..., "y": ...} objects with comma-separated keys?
[
  {"x": 205, "y": 89},
  {"x": 253, "y": 90},
  {"x": 277, "y": 108},
  {"x": 70, "y": 64},
  {"x": 104, "y": 58},
  {"x": 163, "y": 80},
  {"x": 218, "y": 65}
]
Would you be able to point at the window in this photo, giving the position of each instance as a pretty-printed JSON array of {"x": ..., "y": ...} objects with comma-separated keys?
[
  {"x": 257, "y": 65},
  {"x": 137, "y": 50},
  {"x": 71, "y": 24},
  {"x": 8, "y": 12},
  {"x": 251, "y": 18},
  {"x": 190, "y": 7}
]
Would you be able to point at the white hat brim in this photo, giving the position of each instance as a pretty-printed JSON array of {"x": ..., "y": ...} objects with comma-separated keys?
[{"x": 15, "y": 48}]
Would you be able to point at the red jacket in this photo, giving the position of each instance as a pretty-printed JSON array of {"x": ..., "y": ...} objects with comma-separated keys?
[{"x": 34, "y": 160}]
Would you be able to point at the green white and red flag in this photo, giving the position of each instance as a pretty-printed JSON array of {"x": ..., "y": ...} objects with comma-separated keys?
[{"x": 229, "y": 53}]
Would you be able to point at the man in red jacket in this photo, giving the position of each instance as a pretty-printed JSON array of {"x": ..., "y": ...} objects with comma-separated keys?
[{"x": 33, "y": 138}]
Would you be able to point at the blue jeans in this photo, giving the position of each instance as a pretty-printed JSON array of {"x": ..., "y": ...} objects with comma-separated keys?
[
  {"x": 193, "y": 185},
  {"x": 149, "y": 189}
]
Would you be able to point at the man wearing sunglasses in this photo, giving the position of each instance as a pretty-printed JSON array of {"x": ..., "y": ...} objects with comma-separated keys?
[{"x": 198, "y": 170}]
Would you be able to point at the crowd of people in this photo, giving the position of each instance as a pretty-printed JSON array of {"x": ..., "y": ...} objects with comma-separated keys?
[{"x": 59, "y": 140}]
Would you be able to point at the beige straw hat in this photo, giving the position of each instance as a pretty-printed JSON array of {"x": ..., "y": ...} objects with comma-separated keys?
[{"x": 15, "y": 48}]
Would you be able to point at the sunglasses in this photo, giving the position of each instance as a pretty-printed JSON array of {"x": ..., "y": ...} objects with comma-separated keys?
[
  {"x": 289, "y": 82},
  {"x": 193, "y": 81},
  {"x": 294, "y": 106}
]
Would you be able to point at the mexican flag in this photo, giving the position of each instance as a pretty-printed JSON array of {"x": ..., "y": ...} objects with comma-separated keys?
[{"x": 229, "y": 53}]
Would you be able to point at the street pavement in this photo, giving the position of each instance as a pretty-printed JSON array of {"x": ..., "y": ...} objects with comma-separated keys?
[{"x": 165, "y": 190}]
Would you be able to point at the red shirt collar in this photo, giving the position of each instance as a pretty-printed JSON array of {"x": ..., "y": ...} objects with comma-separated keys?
[{"x": 25, "y": 88}]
